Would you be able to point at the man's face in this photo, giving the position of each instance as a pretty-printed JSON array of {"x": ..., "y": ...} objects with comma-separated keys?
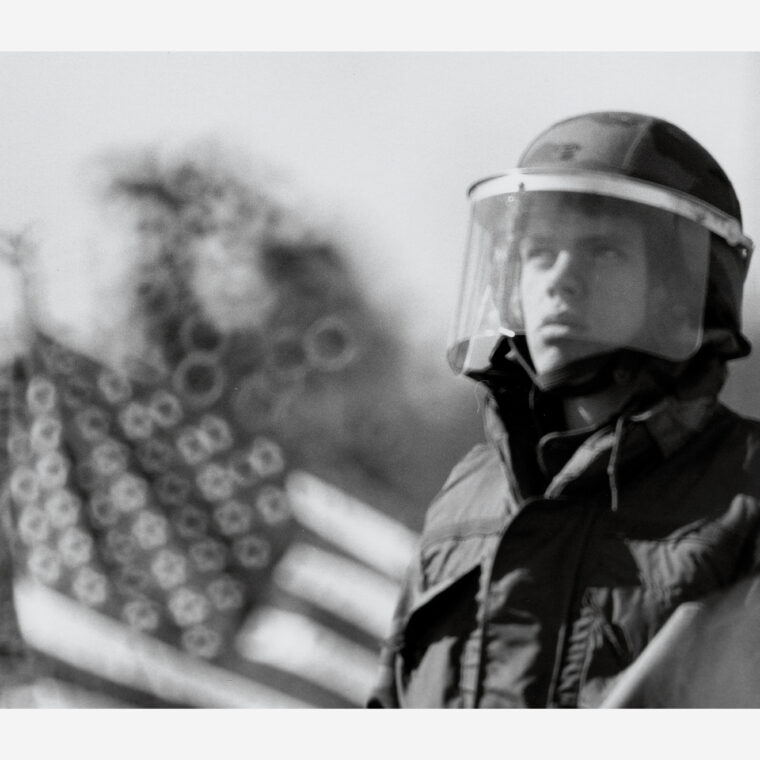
[{"x": 583, "y": 284}]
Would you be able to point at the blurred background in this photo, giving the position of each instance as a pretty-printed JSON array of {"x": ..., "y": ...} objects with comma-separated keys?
[{"x": 225, "y": 288}]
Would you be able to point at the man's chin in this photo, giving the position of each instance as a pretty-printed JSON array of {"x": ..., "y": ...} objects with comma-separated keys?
[{"x": 551, "y": 355}]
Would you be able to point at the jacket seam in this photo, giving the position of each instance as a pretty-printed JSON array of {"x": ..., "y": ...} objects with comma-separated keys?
[{"x": 464, "y": 530}]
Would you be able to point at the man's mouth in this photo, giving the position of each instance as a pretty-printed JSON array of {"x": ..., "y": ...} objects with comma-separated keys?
[{"x": 563, "y": 319}]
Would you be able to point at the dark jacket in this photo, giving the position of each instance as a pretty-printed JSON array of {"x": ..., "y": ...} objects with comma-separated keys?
[{"x": 541, "y": 577}]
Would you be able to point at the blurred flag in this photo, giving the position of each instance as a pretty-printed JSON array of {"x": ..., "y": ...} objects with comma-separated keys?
[
  {"x": 166, "y": 551},
  {"x": 168, "y": 546}
]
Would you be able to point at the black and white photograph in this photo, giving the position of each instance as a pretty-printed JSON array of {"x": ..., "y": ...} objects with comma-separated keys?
[{"x": 379, "y": 379}]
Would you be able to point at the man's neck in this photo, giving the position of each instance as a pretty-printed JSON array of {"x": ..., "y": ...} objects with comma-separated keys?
[{"x": 591, "y": 410}]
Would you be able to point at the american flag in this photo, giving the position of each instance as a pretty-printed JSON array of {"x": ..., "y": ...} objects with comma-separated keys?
[{"x": 166, "y": 552}]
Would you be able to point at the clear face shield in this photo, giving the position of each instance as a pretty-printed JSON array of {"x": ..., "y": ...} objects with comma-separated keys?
[{"x": 582, "y": 264}]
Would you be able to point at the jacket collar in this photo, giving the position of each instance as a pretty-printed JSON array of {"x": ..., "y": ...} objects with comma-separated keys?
[{"x": 540, "y": 462}]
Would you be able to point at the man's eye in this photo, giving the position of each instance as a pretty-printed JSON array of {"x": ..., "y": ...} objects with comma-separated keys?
[
  {"x": 607, "y": 254},
  {"x": 539, "y": 254}
]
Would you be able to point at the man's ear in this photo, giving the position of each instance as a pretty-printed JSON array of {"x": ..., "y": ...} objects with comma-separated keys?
[{"x": 670, "y": 324}]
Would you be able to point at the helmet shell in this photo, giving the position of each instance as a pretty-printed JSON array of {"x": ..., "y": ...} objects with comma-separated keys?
[{"x": 637, "y": 146}]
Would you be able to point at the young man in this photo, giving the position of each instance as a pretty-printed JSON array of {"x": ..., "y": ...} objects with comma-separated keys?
[{"x": 600, "y": 303}]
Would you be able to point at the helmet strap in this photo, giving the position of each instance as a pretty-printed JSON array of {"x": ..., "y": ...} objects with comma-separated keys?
[{"x": 583, "y": 377}]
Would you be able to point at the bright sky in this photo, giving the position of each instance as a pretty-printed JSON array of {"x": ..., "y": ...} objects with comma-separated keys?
[{"x": 383, "y": 145}]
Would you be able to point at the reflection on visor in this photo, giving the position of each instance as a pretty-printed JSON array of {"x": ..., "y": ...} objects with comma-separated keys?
[{"x": 580, "y": 274}]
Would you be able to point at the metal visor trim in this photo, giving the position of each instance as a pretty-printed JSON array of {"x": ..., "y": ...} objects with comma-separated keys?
[{"x": 616, "y": 186}]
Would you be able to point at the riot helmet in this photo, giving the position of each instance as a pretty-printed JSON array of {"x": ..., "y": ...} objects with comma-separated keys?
[{"x": 616, "y": 231}]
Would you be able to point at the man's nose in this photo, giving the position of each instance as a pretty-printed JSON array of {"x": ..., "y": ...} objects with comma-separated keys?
[{"x": 567, "y": 275}]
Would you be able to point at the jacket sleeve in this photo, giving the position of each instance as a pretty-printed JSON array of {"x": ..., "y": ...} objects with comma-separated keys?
[{"x": 387, "y": 690}]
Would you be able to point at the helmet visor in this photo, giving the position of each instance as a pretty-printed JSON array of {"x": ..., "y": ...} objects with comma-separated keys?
[{"x": 579, "y": 274}]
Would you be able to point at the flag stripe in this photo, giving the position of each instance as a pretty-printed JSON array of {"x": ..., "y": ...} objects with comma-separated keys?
[
  {"x": 338, "y": 585},
  {"x": 68, "y": 631},
  {"x": 351, "y": 525},
  {"x": 296, "y": 644}
]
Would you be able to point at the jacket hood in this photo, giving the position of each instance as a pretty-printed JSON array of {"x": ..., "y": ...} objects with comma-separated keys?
[{"x": 704, "y": 373}]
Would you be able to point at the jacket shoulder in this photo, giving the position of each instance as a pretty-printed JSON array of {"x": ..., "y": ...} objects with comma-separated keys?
[{"x": 473, "y": 500}]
